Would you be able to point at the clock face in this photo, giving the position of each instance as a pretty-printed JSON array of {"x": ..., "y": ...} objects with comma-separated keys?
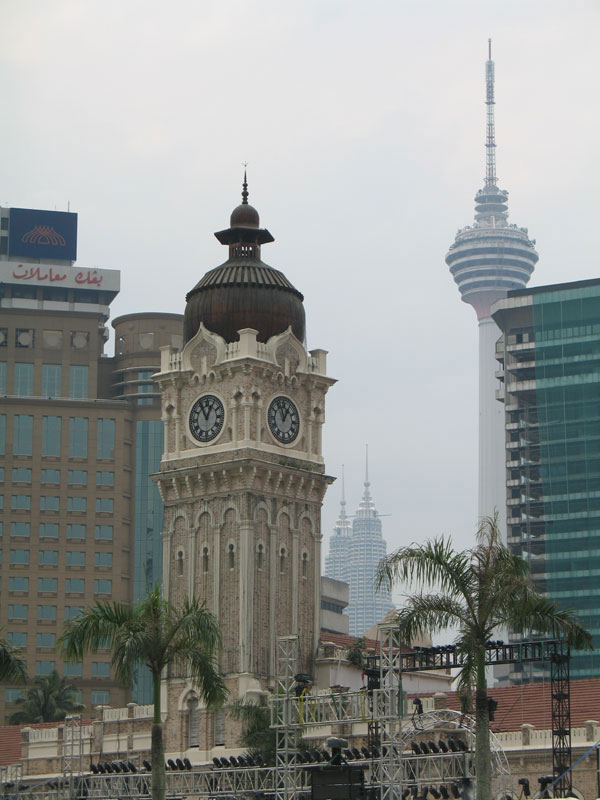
[
  {"x": 206, "y": 418},
  {"x": 283, "y": 419}
]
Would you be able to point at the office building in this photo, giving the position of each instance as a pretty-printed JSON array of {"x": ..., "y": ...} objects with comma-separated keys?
[
  {"x": 355, "y": 550},
  {"x": 487, "y": 259},
  {"x": 79, "y": 518},
  {"x": 550, "y": 359}
]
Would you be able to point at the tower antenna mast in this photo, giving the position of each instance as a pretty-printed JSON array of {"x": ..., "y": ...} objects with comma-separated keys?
[{"x": 490, "y": 144}]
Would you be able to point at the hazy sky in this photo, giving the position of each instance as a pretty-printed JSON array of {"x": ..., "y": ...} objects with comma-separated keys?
[{"x": 363, "y": 126}]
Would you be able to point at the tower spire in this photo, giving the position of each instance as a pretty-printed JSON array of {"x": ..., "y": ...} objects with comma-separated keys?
[
  {"x": 245, "y": 187},
  {"x": 490, "y": 144},
  {"x": 343, "y": 500}
]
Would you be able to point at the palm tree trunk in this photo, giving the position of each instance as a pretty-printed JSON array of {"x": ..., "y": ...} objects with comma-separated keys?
[
  {"x": 483, "y": 766},
  {"x": 158, "y": 748}
]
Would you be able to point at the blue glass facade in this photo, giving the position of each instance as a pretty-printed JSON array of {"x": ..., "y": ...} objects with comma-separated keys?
[{"x": 147, "y": 554}]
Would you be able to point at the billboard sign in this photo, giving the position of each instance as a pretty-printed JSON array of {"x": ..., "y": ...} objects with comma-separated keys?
[
  {"x": 42, "y": 234},
  {"x": 106, "y": 280}
]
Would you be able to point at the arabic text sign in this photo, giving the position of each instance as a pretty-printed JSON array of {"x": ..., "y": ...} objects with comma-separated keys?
[
  {"x": 107, "y": 280},
  {"x": 42, "y": 234}
]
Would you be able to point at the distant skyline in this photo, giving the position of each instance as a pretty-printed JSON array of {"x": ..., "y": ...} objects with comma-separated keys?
[{"x": 364, "y": 132}]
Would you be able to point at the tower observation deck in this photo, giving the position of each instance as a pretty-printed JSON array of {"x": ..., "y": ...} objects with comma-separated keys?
[{"x": 487, "y": 259}]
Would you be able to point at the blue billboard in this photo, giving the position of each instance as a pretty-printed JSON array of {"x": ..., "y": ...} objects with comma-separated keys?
[{"x": 42, "y": 234}]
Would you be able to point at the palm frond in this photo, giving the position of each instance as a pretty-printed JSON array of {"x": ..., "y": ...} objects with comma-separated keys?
[
  {"x": 431, "y": 613},
  {"x": 12, "y": 666}
]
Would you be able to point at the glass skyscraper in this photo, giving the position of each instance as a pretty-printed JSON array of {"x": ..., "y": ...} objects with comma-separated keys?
[
  {"x": 354, "y": 554},
  {"x": 550, "y": 352}
]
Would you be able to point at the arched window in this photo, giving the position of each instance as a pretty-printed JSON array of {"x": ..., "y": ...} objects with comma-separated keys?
[
  {"x": 205, "y": 559},
  {"x": 305, "y": 565},
  {"x": 231, "y": 556},
  {"x": 193, "y": 723},
  {"x": 180, "y": 562},
  {"x": 282, "y": 560},
  {"x": 260, "y": 552}
]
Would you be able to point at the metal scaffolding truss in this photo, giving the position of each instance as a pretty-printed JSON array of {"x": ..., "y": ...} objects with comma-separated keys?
[
  {"x": 285, "y": 720},
  {"x": 72, "y": 748},
  {"x": 390, "y": 712}
]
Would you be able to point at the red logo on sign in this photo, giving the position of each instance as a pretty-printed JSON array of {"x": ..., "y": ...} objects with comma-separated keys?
[{"x": 43, "y": 234}]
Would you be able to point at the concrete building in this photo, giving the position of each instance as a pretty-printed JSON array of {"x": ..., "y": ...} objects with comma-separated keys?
[
  {"x": 487, "y": 259},
  {"x": 242, "y": 476},
  {"x": 77, "y": 437},
  {"x": 334, "y": 599},
  {"x": 550, "y": 368}
]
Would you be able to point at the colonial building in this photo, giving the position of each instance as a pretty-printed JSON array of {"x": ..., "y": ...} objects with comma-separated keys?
[{"x": 242, "y": 476}]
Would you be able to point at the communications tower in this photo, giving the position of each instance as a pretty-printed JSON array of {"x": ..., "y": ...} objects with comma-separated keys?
[{"x": 487, "y": 259}]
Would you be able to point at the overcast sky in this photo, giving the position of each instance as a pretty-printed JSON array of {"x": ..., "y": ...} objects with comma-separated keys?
[{"x": 363, "y": 125}]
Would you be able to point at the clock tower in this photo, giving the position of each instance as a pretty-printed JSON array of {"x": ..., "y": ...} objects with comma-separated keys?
[{"x": 242, "y": 476}]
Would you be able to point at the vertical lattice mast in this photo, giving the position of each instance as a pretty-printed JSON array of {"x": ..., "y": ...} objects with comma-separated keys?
[{"x": 490, "y": 144}]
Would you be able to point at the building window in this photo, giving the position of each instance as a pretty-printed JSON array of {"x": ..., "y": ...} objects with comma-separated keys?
[
  {"x": 104, "y": 532},
  {"x": 205, "y": 559},
  {"x": 73, "y": 669},
  {"x": 100, "y": 669},
  {"x": 48, "y": 558},
  {"x": 51, "y": 380},
  {"x": 219, "y": 727},
  {"x": 2, "y": 434},
  {"x": 17, "y": 638},
  {"x": 106, "y": 438},
  {"x": 193, "y": 723},
  {"x": 282, "y": 560},
  {"x": 48, "y": 530},
  {"x": 305, "y": 565},
  {"x": 78, "y": 381},
  {"x": 20, "y": 502},
  {"x": 18, "y": 584},
  {"x": 44, "y": 667},
  {"x": 22, "y": 434},
  {"x": 102, "y": 586},
  {"x": 1, "y": 474},
  {"x": 105, "y": 478},
  {"x": 75, "y": 531},
  {"x": 12, "y": 695},
  {"x": 49, "y": 503},
  {"x": 260, "y": 553},
  {"x": 2, "y": 378},
  {"x": 77, "y": 477},
  {"x": 19, "y": 529},
  {"x": 50, "y": 476},
  {"x": 52, "y": 340},
  {"x": 24, "y": 336},
  {"x": 45, "y": 639},
  {"x": 51, "y": 429},
  {"x": 74, "y": 585},
  {"x": 47, "y": 584},
  {"x": 180, "y": 563},
  {"x": 72, "y": 612},
  {"x": 19, "y": 557},
  {"x": 24, "y": 380},
  {"x": 75, "y": 558},
  {"x": 231, "y": 556},
  {"x": 104, "y": 505},
  {"x": 17, "y": 611},
  {"x": 100, "y": 697},
  {"x": 103, "y": 559},
  {"x": 78, "y": 437},
  {"x": 76, "y": 503},
  {"x": 46, "y": 613},
  {"x": 21, "y": 475}
]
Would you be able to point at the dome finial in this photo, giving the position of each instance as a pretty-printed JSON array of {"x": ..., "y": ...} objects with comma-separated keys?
[{"x": 245, "y": 187}]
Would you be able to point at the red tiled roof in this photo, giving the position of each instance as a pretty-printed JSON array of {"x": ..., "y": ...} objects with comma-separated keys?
[{"x": 532, "y": 704}]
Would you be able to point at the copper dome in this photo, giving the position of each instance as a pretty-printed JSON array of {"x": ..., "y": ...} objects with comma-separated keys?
[{"x": 244, "y": 292}]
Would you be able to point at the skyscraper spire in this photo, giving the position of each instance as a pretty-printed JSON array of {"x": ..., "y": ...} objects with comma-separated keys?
[
  {"x": 343, "y": 500},
  {"x": 490, "y": 144}
]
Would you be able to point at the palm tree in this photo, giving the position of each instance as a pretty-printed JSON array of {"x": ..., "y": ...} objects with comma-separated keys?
[
  {"x": 50, "y": 699},
  {"x": 12, "y": 668},
  {"x": 477, "y": 590},
  {"x": 257, "y": 734},
  {"x": 155, "y": 633}
]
